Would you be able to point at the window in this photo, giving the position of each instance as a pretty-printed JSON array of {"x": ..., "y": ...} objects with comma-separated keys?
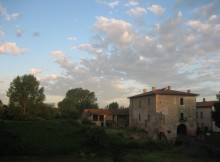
[
  {"x": 101, "y": 117},
  {"x": 181, "y": 101},
  {"x": 148, "y": 100},
  {"x": 95, "y": 117},
  {"x": 202, "y": 125},
  {"x": 145, "y": 123},
  {"x": 181, "y": 116},
  {"x": 139, "y": 117},
  {"x": 148, "y": 118},
  {"x": 201, "y": 115},
  {"x": 139, "y": 103}
]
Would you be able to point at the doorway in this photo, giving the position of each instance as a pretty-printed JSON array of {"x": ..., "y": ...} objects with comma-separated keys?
[{"x": 181, "y": 129}]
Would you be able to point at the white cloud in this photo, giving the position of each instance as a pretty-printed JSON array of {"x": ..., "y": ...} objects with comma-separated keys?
[
  {"x": 156, "y": 9},
  {"x": 90, "y": 49},
  {"x": 199, "y": 25},
  {"x": 178, "y": 51},
  {"x": 138, "y": 11},
  {"x": 213, "y": 18},
  {"x": 117, "y": 31},
  {"x": 2, "y": 32},
  {"x": 72, "y": 39},
  {"x": 11, "y": 48},
  {"x": 132, "y": 3},
  {"x": 35, "y": 71},
  {"x": 114, "y": 4},
  {"x": 18, "y": 32},
  {"x": 51, "y": 76},
  {"x": 6, "y": 15}
]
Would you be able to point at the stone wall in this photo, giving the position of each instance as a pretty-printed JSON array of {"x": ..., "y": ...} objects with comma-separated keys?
[{"x": 161, "y": 113}]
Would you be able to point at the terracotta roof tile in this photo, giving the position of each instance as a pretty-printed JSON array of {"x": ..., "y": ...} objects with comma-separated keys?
[
  {"x": 164, "y": 91},
  {"x": 107, "y": 111},
  {"x": 205, "y": 104}
]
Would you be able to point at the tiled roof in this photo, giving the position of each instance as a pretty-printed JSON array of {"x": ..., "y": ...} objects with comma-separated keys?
[
  {"x": 205, "y": 104},
  {"x": 107, "y": 111},
  {"x": 164, "y": 91}
]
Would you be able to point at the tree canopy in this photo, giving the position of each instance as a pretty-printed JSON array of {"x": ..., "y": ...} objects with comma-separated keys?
[
  {"x": 75, "y": 101},
  {"x": 24, "y": 92},
  {"x": 113, "y": 105},
  {"x": 216, "y": 113}
]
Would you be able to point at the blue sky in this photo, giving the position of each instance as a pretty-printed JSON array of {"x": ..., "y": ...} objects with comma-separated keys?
[{"x": 114, "y": 48}]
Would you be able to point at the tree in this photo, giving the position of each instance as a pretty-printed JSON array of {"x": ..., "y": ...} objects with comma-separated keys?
[
  {"x": 24, "y": 92},
  {"x": 75, "y": 101},
  {"x": 1, "y": 103},
  {"x": 216, "y": 113},
  {"x": 218, "y": 96},
  {"x": 113, "y": 105}
]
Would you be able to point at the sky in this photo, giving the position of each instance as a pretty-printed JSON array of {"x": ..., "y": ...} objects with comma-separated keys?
[{"x": 114, "y": 48}]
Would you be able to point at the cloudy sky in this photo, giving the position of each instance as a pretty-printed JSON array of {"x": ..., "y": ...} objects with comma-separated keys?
[{"x": 113, "y": 48}]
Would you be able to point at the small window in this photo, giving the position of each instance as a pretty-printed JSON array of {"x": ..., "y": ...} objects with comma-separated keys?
[
  {"x": 139, "y": 103},
  {"x": 202, "y": 125},
  {"x": 95, "y": 117},
  {"x": 145, "y": 123},
  {"x": 101, "y": 117},
  {"x": 181, "y": 116},
  {"x": 181, "y": 101},
  {"x": 148, "y": 100},
  {"x": 201, "y": 115}
]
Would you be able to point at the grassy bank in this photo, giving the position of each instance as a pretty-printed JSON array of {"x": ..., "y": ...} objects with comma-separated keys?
[{"x": 67, "y": 140}]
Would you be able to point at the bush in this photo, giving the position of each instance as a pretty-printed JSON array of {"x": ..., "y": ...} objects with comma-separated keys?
[{"x": 88, "y": 122}]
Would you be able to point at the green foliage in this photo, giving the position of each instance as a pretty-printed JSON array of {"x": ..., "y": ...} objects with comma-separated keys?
[
  {"x": 75, "y": 101},
  {"x": 88, "y": 122},
  {"x": 218, "y": 96},
  {"x": 216, "y": 114},
  {"x": 113, "y": 105},
  {"x": 24, "y": 92}
]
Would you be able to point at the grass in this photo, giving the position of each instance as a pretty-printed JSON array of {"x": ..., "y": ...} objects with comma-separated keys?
[{"x": 69, "y": 141}]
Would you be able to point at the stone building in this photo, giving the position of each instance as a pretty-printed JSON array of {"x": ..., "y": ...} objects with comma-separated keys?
[
  {"x": 164, "y": 113},
  {"x": 107, "y": 117},
  {"x": 204, "y": 111}
]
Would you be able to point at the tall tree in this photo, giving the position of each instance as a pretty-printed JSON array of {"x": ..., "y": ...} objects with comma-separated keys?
[
  {"x": 113, "y": 105},
  {"x": 216, "y": 113},
  {"x": 75, "y": 101},
  {"x": 1, "y": 103},
  {"x": 24, "y": 92}
]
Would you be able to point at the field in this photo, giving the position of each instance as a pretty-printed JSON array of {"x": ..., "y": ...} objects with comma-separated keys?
[{"x": 69, "y": 141}]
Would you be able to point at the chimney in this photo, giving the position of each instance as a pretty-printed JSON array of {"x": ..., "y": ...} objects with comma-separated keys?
[
  {"x": 188, "y": 91},
  {"x": 203, "y": 99},
  {"x": 144, "y": 90},
  {"x": 154, "y": 88},
  {"x": 169, "y": 88}
]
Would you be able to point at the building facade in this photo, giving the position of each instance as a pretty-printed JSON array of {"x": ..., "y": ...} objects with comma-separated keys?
[
  {"x": 204, "y": 111},
  {"x": 107, "y": 118},
  {"x": 164, "y": 113}
]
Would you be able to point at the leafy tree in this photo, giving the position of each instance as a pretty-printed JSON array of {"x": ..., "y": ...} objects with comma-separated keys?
[
  {"x": 24, "y": 92},
  {"x": 218, "y": 96},
  {"x": 216, "y": 113},
  {"x": 113, "y": 105},
  {"x": 75, "y": 101},
  {"x": 1, "y": 103}
]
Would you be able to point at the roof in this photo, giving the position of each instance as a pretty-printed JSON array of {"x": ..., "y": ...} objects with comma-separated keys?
[
  {"x": 205, "y": 104},
  {"x": 164, "y": 91},
  {"x": 107, "y": 111}
]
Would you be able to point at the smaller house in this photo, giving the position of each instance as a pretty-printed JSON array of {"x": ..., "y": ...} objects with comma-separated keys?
[
  {"x": 204, "y": 111},
  {"x": 107, "y": 117}
]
